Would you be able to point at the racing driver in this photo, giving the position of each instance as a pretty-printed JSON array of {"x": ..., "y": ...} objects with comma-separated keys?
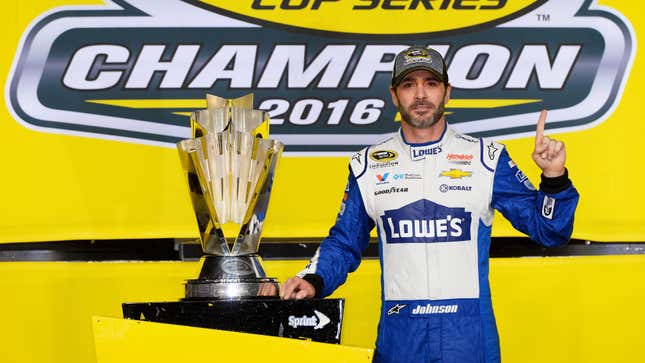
[{"x": 430, "y": 192}]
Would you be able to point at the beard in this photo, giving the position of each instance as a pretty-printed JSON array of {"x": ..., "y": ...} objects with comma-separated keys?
[{"x": 422, "y": 122}]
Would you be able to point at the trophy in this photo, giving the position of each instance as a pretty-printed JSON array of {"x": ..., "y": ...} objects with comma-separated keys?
[{"x": 229, "y": 164}]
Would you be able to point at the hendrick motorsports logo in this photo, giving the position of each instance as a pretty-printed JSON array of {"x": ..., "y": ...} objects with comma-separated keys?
[{"x": 133, "y": 70}]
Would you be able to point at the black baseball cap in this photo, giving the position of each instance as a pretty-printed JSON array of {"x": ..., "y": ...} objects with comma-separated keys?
[{"x": 418, "y": 57}]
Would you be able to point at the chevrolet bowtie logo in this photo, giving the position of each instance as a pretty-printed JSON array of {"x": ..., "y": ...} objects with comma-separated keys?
[{"x": 456, "y": 173}]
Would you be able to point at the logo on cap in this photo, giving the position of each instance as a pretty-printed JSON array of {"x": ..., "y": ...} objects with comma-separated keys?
[{"x": 417, "y": 55}]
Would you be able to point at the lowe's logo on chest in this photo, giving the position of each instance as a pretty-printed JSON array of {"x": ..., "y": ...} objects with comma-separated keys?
[
  {"x": 420, "y": 153},
  {"x": 426, "y": 222}
]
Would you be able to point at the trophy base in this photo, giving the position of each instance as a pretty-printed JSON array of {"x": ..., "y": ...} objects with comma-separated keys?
[
  {"x": 231, "y": 277},
  {"x": 202, "y": 289}
]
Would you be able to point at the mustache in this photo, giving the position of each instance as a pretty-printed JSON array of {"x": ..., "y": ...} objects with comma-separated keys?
[{"x": 420, "y": 103}]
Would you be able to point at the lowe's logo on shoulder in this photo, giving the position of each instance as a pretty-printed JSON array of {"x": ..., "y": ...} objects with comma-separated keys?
[
  {"x": 424, "y": 221},
  {"x": 418, "y": 153}
]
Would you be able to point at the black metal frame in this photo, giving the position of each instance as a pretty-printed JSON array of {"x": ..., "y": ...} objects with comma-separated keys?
[{"x": 170, "y": 249}]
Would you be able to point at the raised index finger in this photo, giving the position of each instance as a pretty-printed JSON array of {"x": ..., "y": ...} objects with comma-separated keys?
[{"x": 539, "y": 130}]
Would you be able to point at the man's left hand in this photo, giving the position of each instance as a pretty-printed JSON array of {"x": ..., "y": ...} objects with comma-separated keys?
[{"x": 548, "y": 154}]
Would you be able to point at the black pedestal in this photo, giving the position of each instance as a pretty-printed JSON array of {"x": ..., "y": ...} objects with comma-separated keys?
[{"x": 316, "y": 319}]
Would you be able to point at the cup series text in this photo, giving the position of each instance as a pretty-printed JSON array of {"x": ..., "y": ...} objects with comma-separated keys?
[{"x": 383, "y": 4}]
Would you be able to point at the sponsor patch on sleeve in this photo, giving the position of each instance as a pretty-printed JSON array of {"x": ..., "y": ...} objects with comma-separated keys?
[{"x": 548, "y": 207}]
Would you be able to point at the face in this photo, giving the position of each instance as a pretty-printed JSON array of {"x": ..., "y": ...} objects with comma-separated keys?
[{"x": 421, "y": 99}]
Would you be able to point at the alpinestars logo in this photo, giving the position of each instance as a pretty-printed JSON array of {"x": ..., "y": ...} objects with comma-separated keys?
[
  {"x": 132, "y": 70},
  {"x": 396, "y": 309}
]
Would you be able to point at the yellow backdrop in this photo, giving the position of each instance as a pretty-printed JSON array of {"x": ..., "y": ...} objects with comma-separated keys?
[
  {"x": 61, "y": 187},
  {"x": 560, "y": 309}
]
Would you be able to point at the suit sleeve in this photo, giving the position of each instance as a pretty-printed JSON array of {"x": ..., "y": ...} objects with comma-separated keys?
[
  {"x": 545, "y": 215},
  {"x": 340, "y": 253}
]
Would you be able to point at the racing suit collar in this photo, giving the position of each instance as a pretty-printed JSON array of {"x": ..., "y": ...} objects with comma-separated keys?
[{"x": 421, "y": 150}]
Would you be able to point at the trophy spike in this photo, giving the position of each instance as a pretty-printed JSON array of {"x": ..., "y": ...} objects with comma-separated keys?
[
  {"x": 211, "y": 235},
  {"x": 196, "y": 129},
  {"x": 245, "y": 101},
  {"x": 248, "y": 240},
  {"x": 215, "y": 102}
]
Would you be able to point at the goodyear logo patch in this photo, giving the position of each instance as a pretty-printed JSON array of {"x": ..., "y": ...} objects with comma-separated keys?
[{"x": 133, "y": 70}]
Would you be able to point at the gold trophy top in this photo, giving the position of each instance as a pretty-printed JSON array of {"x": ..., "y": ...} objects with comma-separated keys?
[{"x": 230, "y": 163}]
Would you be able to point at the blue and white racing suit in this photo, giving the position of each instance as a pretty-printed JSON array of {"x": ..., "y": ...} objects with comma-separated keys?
[{"x": 432, "y": 205}]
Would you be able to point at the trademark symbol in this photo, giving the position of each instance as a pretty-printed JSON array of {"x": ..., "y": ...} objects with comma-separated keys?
[{"x": 543, "y": 17}]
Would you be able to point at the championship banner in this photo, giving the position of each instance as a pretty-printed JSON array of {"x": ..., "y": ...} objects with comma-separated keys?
[{"x": 97, "y": 95}]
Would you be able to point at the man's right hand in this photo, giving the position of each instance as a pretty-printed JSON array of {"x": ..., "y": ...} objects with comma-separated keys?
[{"x": 297, "y": 288}]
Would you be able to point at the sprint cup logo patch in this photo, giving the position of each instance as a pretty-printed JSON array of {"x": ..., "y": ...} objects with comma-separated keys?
[{"x": 133, "y": 70}]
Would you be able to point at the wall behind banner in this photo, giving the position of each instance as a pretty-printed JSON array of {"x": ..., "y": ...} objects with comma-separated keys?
[
  {"x": 565, "y": 310},
  {"x": 63, "y": 187}
]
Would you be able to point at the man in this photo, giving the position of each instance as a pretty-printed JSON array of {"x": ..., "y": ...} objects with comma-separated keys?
[{"x": 431, "y": 192}]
